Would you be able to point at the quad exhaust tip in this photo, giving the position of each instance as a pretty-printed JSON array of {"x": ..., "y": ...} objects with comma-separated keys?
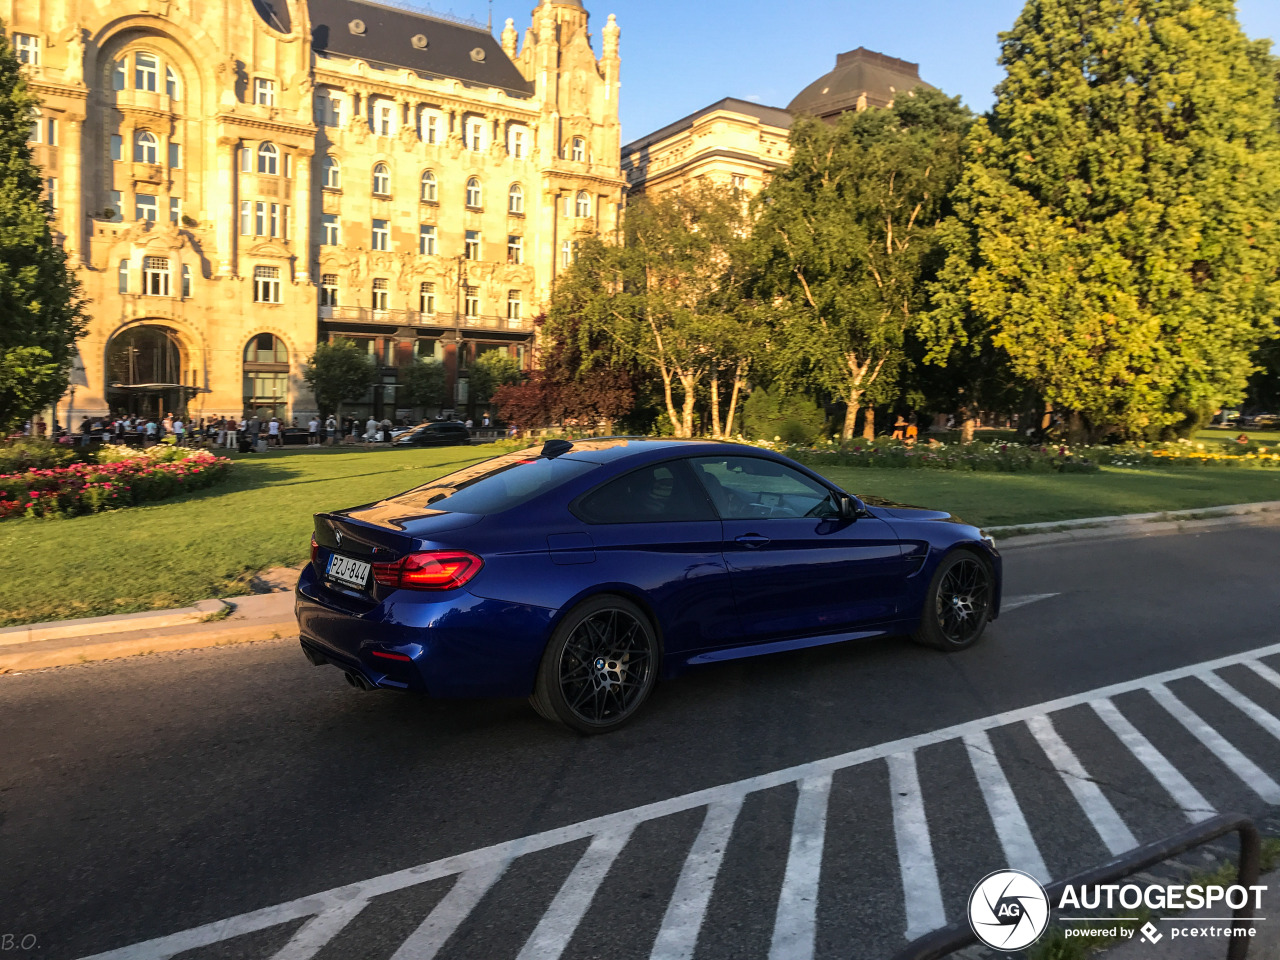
[{"x": 357, "y": 681}]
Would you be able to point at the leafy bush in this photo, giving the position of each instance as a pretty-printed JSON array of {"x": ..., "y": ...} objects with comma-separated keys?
[
  {"x": 33, "y": 454},
  {"x": 770, "y": 415}
]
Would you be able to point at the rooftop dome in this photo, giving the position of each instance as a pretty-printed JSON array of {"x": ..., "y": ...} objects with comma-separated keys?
[{"x": 862, "y": 78}]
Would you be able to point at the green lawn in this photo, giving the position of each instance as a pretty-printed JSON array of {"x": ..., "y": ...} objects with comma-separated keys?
[{"x": 211, "y": 542}]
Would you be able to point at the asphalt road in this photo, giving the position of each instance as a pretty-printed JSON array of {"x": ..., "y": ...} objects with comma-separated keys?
[{"x": 825, "y": 803}]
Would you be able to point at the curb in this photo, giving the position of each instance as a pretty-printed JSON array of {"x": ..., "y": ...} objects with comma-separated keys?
[
  {"x": 118, "y": 623},
  {"x": 1138, "y": 524}
]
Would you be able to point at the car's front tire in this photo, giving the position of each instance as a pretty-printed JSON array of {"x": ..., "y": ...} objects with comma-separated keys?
[
  {"x": 599, "y": 667},
  {"x": 958, "y": 603}
]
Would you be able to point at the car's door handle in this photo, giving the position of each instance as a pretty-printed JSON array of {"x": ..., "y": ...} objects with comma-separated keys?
[{"x": 752, "y": 540}]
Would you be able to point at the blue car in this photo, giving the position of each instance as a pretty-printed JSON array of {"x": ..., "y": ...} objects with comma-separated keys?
[{"x": 579, "y": 574}]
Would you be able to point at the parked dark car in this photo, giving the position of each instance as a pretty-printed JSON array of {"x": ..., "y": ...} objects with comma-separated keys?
[
  {"x": 439, "y": 434},
  {"x": 295, "y": 435},
  {"x": 579, "y": 574}
]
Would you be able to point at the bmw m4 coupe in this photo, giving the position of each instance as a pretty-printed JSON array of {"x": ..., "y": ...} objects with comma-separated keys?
[{"x": 579, "y": 574}]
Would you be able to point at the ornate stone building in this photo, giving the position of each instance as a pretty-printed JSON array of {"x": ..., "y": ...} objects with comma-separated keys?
[
  {"x": 237, "y": 179},
  {"x": 736, "y": 143}
]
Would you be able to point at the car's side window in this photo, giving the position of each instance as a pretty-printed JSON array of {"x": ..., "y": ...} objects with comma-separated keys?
[
  {"x": 750, "y": 488},
  {"x": 661, "y": 493}
]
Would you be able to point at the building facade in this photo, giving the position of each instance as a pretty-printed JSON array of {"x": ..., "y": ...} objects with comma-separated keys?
[
  {"x": 236, "y": 180},
  {"x": 734, "y": 143}
]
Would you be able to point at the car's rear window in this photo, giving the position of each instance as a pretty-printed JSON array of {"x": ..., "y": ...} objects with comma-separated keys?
[{"x": 495, "y": 485}]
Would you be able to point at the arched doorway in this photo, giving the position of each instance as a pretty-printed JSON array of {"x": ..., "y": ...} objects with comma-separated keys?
[
  {"x": 147, "y": 372},
  {"x": 266, "y": 376}
]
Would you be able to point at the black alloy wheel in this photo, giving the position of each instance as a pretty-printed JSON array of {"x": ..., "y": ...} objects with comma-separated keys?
[
  {"x": 958, "y": 604},
  {"x": 599, "y": 667}
]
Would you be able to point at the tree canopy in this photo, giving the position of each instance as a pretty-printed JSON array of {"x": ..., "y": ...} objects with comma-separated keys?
[{"x": 340, "y": 371}]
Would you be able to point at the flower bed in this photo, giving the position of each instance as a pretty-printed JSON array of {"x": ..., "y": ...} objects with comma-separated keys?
[
  {"x": 991, "y": 457},
  {"x": 90, "y": 488}
]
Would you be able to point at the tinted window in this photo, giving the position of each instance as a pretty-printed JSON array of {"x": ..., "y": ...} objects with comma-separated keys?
[
  {"x": 495, "y": 485},
  {"x": 750, "y": 488},
  {"x": 662, "y": 493}
]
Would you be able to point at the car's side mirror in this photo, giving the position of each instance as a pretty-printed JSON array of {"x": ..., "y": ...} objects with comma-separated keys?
[{"x": 850, "y": 507}]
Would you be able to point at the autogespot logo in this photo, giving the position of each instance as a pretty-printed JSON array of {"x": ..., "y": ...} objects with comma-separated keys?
[{"x": 1008, "y": 910}]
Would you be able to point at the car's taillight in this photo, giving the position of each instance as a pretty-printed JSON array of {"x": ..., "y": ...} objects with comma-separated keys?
[
  {"x": 429, "y": 570},
  {"x": 315, "y": 549}
]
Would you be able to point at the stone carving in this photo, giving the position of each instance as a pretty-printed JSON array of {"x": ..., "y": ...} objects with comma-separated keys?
[
  {"x": 610, "y": 34},
  {"x": 75, "y": 57}
]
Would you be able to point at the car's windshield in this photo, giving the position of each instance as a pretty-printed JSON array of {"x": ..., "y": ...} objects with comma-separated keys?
[{"x": 495, "y": 485}]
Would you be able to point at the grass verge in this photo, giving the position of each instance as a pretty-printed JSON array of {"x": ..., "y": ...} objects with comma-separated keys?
[{"x": 210, "y": 543}]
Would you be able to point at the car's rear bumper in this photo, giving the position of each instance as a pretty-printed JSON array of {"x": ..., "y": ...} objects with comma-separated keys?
[{"x": 458, "y": 645}]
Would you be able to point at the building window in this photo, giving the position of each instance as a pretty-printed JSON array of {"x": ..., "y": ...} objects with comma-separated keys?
[
  {"x": 331, "y": 173},
  {"x": 329, "y": 290},
  {"x": 260, "y": 218},
  {"x": 264, "y": 92},
  {"x": 175, "y": 209},
  {"x": 117, "y": 205},
  {"x": 471, "y": 245},
  {"x": 246, "y": 218},
  {"x": 583, "y": 206},
  {"x": 518, "y": 148},
  {"x": 118, "y": 74},
  {"x": 383, "y": 118},
  {"x": 36, "y": 128},
  {"x": 739, "y": 182},
  {"x": 430, "y": 128},
  {"x": 155, "y": 276},
  {"x": 381, "y": 235},
  {"x": 51, "y": 192},
  {"x": 381, "y": 180},
  {"x": 515, "y": 249},
  {"x": 172, "y": 88},
  {"x": 146, "y": 208},
  {"x": 175, "y": 155},
  {"x": 117, "y": 147},
  {"x": 579, "y": 150},
  {"x": 288, "y": 166},
  {"x": 266, "y": 347},
  {"x": 429, "y": 192},
  {"x": 473, "y": 193},
  {"x": 475, "y": 134},
  {"x": 515, "y": 199},
  {"x": 186, "y": 282},
  {"x": 330, "y": 231},
  {"x": 471, "y": 301},
  {"x": 146, "y": 148},
  {"x": 328, "y": 109},
  {"x": 51, "y": 132},
  {"x": 268, "y": 159},
  {"x": 146, "y": 72},
  {"x": 246, "y": 160},
  {"x": 427, "y": 240},
  {"x": 381, "y": 293},
  {"x": 275, "y": 220},
  {"x": 266, "y": 284},
  {"x": 566, "y": 253},
  {"x": 513, "y": 307},
  {"x": 122, "y": 277},
  {"x": 427, "y": 298},
  {"x": 27, "y": 48}
]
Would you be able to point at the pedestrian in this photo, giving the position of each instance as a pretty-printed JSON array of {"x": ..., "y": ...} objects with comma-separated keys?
[
  {"x": 384, "y": 430},
  {"x": 331, "y": 429},
  {"x": 231, "y": 435},
  {"x": 150, "y": 431},
  {"x": 273, "y": 432},
  {"x": 313, "y": 432},
  {"x": 179, "y": 430},
  {"x": 470, "y": 423},
  {"x": 254, "y": 432},
  {"x": 485, "y": 422},
  {"x": 370, "y": 430}
]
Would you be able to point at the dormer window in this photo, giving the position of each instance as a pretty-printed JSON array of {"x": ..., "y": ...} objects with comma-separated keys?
[
  {"x": 264, "y": 92},
  {"x": 27, "y": 47},
  {"x": 579, "y": 149}
]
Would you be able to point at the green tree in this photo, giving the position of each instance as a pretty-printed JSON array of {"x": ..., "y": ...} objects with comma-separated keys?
[
  {"x": 846, "y": 242},
  {"x": 1120, "y": 206},
  {"x": 492, "y": 369},
  {"x": 41, "y": 311},
  {"x": 339, "y": 372},
  {"x": 422, "y": 383}
]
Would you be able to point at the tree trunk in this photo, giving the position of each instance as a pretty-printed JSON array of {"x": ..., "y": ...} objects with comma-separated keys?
[
  {"x": 671, "y": 403},
  {"x": 715, "y": 405},
  {"x": 966, "y": 428},
  {"x": 851, "y": 414},
  {"x": 733, "y": 401},
  {"x": 869, "y": 424},
  {"x": 690, "y": 397}
]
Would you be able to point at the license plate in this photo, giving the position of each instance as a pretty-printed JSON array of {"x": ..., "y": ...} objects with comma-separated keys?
[{"x": 353, "y": 572}]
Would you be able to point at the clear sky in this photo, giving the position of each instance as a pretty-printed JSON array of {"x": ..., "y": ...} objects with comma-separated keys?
[{"x": 681, "y": 55}]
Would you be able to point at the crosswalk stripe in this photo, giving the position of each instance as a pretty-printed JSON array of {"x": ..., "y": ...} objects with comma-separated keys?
[
  {"x": 555, "y": 929},
  {"x": 1265, "y": 672},
  {"x": 440, "y": 924},
  {"x": 795, "y": 926},
  {"x": 319, "y": 930},
  {"x": 1192, "y": 802},
  {"x": 1020, "y": 850},
  {"x": 1237, "y": 762},
  {"x": 682, "y": 923},
  {"x": 1233, "y": 696},
  {"x": 920, "y": 889},
  {"x": 1115, "y": 835}
]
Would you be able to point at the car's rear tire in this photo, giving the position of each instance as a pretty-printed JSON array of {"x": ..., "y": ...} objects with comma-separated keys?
[
  {"x": 599, "y": 667},
  {"x": 957, "y": 605}
]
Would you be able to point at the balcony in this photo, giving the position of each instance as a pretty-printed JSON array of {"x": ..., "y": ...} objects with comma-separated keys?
[{"x": 415, "y": 318}]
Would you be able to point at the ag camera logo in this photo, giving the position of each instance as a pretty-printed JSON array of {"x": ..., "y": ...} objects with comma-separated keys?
[{"x": 1008, "y": 910}]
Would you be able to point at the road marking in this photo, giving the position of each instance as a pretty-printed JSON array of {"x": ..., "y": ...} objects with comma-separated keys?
[
  {"x": 1115, "y": 835},
  {"x": 920, "y": 890},
  {"x": 469, "y": 889},
  {"x": 496, "y": 856},
  {"x": 1237, "y": 762},
  {"x": 555, "y": 929},
  {"x": 1243, "y": 703},
  {"x": 1013, "y": 603},
  {"x": 1020, "y": 850},
  {"x": 1192, "y": 802},
  {"x": 795, "y": 926},
  {"x": 318, "y": 931},
  {"x": 1265, "y": 672},
  {"x": 678, "y": 934}
]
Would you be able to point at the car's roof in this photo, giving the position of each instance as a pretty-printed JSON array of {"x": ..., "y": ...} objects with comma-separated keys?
[{"x": 611, "y": 449}]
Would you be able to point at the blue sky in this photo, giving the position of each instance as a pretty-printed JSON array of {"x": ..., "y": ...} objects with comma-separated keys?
[{"x": 680, "y": 56}]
